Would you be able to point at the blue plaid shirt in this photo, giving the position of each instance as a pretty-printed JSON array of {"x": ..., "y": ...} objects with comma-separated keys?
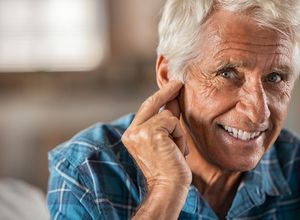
[{"x": 92, "y": 176}]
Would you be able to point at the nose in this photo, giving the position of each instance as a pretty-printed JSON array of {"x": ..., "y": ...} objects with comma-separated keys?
[{"x": 254, "y": 103}]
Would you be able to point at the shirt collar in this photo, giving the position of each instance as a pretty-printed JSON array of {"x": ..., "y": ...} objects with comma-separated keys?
[
  {"x": 265, "y": 179},
  {"x": 195, "y": 204},
  {"x": 268, "y": 176}
]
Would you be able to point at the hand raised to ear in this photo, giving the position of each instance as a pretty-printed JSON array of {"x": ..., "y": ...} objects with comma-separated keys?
[{"x": 156, "y": 141}]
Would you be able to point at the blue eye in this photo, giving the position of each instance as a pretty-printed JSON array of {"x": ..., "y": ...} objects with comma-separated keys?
[
  {"x": 227, "y": 73},
  {"x": 274, "y": 77}
]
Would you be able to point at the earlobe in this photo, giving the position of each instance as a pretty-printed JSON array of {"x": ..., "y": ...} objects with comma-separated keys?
[{"x": 162, "y": 71}]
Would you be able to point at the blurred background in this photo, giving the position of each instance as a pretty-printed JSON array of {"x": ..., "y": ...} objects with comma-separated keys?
[{"x": 66, "y": 64}]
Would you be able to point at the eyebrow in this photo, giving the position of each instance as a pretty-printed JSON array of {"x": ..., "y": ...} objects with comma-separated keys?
[
  {"x": 283, "y": 68},
  {"x": 229, "y": 64}
]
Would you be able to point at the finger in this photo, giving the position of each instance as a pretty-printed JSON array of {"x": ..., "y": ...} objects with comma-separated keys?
[
  {"x": 182, "y": 145},
  {"x": 173, "y": 106},
  {"x": 170, "y": 125},
  {"x": 152, "y": 105},
  {"x": 179, "y": 139}
]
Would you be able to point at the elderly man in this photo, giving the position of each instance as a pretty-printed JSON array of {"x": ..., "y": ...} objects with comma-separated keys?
[{"x": 209, "y": 144}]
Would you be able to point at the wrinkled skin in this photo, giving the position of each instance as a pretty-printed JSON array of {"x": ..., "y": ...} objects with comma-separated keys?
[
  {"x": 157, "y": 143},
  {"x": 149, "y": 140},
  {"x": 242, "y": 79}
]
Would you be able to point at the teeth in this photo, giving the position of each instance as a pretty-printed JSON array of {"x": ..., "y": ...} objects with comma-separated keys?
[{"x": 240, "y": 134}]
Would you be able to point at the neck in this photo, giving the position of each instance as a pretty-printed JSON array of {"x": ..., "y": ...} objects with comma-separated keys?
[
  {"x": 218, "y": 186},
  {"x": 206, "y": 176}
]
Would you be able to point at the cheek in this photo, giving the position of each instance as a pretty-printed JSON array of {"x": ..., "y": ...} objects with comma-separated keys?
[
  {"x": 207, "y": 102},
  {"x": 197, "y": 103},
  {"x": 279, "y": 107}
]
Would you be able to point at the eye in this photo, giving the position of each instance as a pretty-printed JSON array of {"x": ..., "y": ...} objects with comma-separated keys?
[
  {"x": 228, "y": 73},
  {"x": 274, "y": 77}
]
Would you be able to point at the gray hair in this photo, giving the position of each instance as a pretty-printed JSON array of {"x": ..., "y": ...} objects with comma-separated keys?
[{"x": 179, "y": 26}]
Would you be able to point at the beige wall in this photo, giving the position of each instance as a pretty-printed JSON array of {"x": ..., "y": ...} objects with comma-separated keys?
[{"x": 293, "y": 120}]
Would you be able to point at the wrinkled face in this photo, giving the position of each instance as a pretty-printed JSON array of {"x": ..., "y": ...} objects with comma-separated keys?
[{"x": 236, "y": 95}]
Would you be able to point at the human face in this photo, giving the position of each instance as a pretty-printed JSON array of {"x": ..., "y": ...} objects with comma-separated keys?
[{"x": 236, "y": 95}]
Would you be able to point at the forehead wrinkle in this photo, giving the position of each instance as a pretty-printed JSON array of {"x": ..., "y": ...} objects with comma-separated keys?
[
  {"x": 230, "y": 48},
  {"x": 279, "y": 45},
  {"x": 256, "y": 44},
  {"x": 215, "y": 55}
]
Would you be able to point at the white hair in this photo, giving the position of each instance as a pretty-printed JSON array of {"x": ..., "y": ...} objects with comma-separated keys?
[{"x": 179, "y": 27}]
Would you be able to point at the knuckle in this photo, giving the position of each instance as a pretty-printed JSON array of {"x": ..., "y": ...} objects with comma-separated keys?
[
  {"x": 167, "y": 113},
  {"x": 159, "y": 136},
  {"x": 173, "y": 119},
  {"x": 128, "y": 135},
  {"x": 125, "y": 137},
  {"x": 134, "y": 135},
  {"x": 144, "y": 133},
  {"x": 128, "y": 141}
]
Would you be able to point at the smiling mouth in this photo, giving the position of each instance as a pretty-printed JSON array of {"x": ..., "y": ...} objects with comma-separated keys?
[{"x": 240, "y": 134}]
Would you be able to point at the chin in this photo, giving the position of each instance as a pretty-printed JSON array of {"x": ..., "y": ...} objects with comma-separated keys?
[
  {"x": 241, "y": 165},
  {"x": 245, "y": 167}
]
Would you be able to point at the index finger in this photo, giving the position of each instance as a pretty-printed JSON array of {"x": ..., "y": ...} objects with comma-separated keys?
[{"x": 151, "y": 106}]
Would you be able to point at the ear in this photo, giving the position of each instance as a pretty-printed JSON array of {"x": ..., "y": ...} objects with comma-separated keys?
[{"x": 162, "y": 71}]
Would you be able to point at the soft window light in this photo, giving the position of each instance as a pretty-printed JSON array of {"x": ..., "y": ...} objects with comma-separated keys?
[{"x": 52, "y": 35}]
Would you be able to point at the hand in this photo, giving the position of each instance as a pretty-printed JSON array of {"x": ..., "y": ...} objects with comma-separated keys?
[{"x": 156, "y": 141}]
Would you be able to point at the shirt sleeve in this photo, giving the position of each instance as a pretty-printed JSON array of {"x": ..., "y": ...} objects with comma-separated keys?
[
  {"x": 92, "y": 177},
  {"x": 71, "y": 194},
  {"x": 62, "y": 203}
]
